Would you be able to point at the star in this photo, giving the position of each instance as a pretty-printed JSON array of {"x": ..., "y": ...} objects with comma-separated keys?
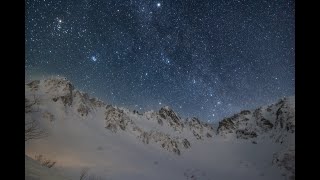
[
  {"x": 158, "y": 4},
  {"x": 93, "y": 58}
]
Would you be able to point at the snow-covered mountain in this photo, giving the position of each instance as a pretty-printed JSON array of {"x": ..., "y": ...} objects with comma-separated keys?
[
  {"x": 275, "y": 122},
  {"x": 118, "y": 143}
]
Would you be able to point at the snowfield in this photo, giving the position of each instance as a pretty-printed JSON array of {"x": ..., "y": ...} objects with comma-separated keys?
[{"x": 117, "y": 143}]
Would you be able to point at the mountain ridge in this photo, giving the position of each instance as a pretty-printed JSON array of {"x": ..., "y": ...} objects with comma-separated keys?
[{"x": 59, "y": 107}]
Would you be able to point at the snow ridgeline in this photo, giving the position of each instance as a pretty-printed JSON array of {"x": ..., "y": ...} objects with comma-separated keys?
[
  {"x": 165, "y": 127},
  {"x": 60, "y": 106}
]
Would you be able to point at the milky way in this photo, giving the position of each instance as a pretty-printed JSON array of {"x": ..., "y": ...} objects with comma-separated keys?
[{"x": 203, "y": 58}]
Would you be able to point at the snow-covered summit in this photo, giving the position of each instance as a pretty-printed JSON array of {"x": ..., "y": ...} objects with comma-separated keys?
[
  {"x": 274, "y": 122},
  {"x": 163, "y": 128},
  {"x": 85, "y": 131}
]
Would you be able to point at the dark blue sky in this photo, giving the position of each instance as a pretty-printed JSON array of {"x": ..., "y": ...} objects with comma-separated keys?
[{"x": 204, "y": 58}]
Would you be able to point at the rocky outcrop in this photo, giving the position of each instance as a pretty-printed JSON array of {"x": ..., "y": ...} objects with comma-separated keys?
[
  {"x": 285, "y": 118},
  {"x": 165, "y": 140},
  {"x": 58, "y": 86},
  {"x": 245, "y": 134},
  {"x": 265, "y": 124},
  {"x": 226, "y": 125},
  {"x": 96, "y": 102},
  {"x": 276, "y": 121},
  {"x": 84, "y": 104},
  {"x": 199, "y": 129},
  {"x": 285, "y": 160},
  {"x": 186, "y": 143},
  {"x": 34, "y": 85},
  {"x": 171, "y": 118},
  {"x": 116, "y": 119}
]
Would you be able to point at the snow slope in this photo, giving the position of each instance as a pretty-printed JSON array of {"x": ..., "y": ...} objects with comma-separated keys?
[
  {"x": 116, "y": 143},
  {"x": 33, "y": 171}
]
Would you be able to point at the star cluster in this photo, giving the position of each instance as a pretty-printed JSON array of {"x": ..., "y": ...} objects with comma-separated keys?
[{"x": 203, "y": 58}]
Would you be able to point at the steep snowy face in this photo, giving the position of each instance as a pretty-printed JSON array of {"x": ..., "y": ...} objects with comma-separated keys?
[
  {"x": 276, "y": 122},
  {"x": 62, "y": 92},
  {"x": 116, "y": 120},
  {"x": 199, "y": 129},
  {"x": 171, "y": 118},
  {"x": 164, "y": 129}
]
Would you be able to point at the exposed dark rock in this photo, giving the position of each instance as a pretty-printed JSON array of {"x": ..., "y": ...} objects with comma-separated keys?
[
  {"x": 160, "y": 121},
  {"x": 245, "y": 112},
  {"x": 136, "y": 128},
  {"x": 225, "y": 124},
  {"x": 67, "y": 99},
  {"x": 290, "y": 127},
  {"x": 83, "y": 110},
  {"x": 145, "y": 137},
  {"x": 168, "y": 143},
  {"x": 265, "y": 124},
  {"x": 257, "y": 113},
  {"x": 34, "y": 85},
  {"x": 108, "y": 106},
  {"x": 269, "y": 109},
  {"x": 198, "y": 136},
  {"x": 186, "y": 143},
  {"x": 285, "y": 160},
  {"x": 115, "y": 119},
  {"x": 209, "y": 135},
  {"x": 165, "y": 112},
  {"x": 245, "y": 134},
  {"x": 96, "y": 102}
]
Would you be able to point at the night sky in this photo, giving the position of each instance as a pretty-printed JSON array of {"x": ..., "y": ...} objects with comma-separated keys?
[{"x": 203, "y": 58}]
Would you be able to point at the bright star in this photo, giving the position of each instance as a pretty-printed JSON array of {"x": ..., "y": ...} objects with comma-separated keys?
[{"x": 158, "y": 4}]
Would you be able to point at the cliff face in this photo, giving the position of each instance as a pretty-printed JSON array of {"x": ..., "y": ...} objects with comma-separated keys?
[{"x": 275, "y": 122}]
